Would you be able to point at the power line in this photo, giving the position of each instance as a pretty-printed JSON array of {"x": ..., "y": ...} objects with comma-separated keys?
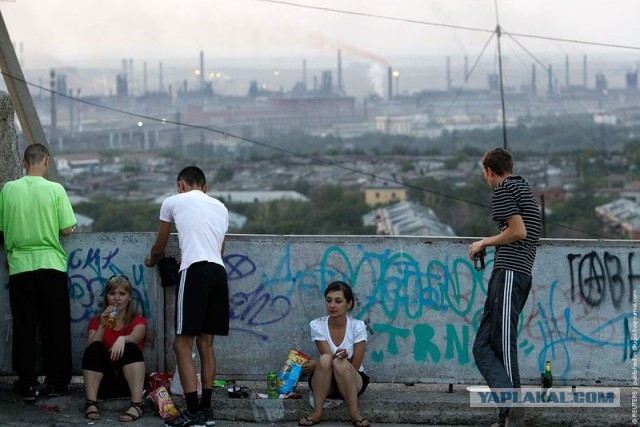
[
  {"x": 450, "y": 26},
  {"x": 466, "y": 77},
  {"x": 372, "y": 15},
  {"x": 275, "y": 148},
  {"x": 249, "y": 140}
]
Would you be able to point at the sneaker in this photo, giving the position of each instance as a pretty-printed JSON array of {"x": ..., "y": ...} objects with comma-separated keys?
[
  {"x": 187, "y": 419},
  {"x": 207, "y": 415},
  {"x": 26, "y": 392},
  {"x": 52, "y": 390}
]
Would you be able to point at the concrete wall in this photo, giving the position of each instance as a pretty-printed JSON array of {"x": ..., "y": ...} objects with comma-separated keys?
[
  {"x": 420, "y": 297},
  {"x": 10, "y": 166}
]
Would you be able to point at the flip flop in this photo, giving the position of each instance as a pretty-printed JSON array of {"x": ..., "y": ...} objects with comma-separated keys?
[
  {"x": 362, "y": 422},
  {"x": 306, "y": 421}
]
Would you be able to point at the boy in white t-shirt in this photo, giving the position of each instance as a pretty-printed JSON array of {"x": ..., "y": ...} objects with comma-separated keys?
[{"x": 202, "y": 297}]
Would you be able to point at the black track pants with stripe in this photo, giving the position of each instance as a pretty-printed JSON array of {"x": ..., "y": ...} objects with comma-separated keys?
[{"x": 495, "y": 347}]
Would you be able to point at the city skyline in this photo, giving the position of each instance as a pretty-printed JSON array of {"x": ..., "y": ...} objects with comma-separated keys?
[{"x": 91, "y": 32}]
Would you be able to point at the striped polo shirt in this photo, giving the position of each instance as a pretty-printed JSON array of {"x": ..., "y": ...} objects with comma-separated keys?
[{"x": 511, "y": 197}]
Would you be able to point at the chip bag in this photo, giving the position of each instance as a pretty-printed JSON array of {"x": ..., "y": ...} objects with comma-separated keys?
[
  {"x": 156, "y": 380},
  {"x": 164, "y": 404},
  {"x": 291, "y": 370}
]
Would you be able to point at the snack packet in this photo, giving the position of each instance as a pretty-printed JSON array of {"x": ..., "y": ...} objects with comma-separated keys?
[
  {"x": 156, "y": 380},
  {"x": 291, "y": 370},
  {"x": 163, "y": 403}
]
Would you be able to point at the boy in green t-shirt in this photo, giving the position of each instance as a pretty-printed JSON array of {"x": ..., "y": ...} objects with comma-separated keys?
[{"x": 34, "y": 213}]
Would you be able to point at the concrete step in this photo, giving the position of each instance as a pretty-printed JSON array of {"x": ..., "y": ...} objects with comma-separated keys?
[
  {"x": 382, "y": 403},
  {"x": 423, "y": 404}
]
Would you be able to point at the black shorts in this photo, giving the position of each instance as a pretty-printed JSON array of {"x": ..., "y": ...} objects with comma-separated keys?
[
  {"x": 202, "y": 300},
  {"x": 335, "y": 394}
]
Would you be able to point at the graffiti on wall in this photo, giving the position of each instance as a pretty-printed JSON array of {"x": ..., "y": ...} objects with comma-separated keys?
[
  {"x": 89, "y": 270},
  {"x": 430, "y": 307},
  {"x": 425, "y": 304}
]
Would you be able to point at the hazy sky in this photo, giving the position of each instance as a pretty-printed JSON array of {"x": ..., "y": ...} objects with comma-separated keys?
[{"x": 84, "y": 32}]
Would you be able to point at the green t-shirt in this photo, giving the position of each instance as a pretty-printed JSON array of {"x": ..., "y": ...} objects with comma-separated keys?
[{"x": 33, "y": 210}]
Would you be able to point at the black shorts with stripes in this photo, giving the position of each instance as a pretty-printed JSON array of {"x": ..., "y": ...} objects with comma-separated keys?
[{"x": 202, "y": 300}]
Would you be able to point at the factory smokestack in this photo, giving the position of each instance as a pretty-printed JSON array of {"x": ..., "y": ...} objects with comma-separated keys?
[
  {"x": 448, "y": 73},
  {"x": 534, "y": 85},
  {"x": 340, "y": 89},
  {"x": 54, "y": 113},
  {"x": 161, "y": 85},
  {"x": 566, "y": 71},
  {"x": 71, "y": 110},
  {"x": 584, "y": 71},
  {"x": 144, "y": 76},
  {"x": 550, "y": 77},
  {"x": 304, "y": 73},
  {"x": 390, "y": 83},
  {"x": 201, "y": 70},
  {"x": 130, "y": 78}
]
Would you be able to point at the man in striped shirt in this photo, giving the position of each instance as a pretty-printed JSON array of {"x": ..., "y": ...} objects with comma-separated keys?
[{"x": 516, "y": 211}]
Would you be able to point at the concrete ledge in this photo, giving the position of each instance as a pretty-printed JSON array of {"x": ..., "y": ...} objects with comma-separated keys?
[
  {"x": 424, "y": 404},
  {"x": 381, "y": 403}
]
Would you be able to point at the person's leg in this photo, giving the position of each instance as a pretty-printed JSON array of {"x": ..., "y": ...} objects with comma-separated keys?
[
  {"x": 216, "y": 322},
  {"x": 519, "y": 295},
  {"x": 349, "y": 384},
  {"x": 204, "y": 342},
  {"x": 520, "y": 285},
  {"x": 134, "y": 375},
  {"x": 133, "y": 370},
  {"x": 321, "y": 386},
  {"x": 189, "y": 315},
  {"x": 92, "y": 381},
  {"x": 182, "y": 346},
  {"x": 494, "y": 335},
  {"x": 24, "y": 313},
  {"x": 95, "y": 361},
  {"x": 54, "y": 319}
]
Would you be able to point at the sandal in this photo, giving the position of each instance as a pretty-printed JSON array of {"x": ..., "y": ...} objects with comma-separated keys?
[
  {"x": 306, "y": 421},
  {"x": 91, "y": 415},
  {"x": 362, "y": 422},
  {"x": 128, "y": 417}
]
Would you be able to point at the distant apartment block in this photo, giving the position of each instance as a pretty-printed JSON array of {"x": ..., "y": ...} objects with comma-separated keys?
[
  {"x": 384, "y": 192},
  {"x": 622, "y": 217},
  {"x": 406, "y": 219}
]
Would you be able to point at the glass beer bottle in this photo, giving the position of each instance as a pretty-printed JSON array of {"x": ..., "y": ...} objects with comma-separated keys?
[
  {"x": 112, "y": 319},
  {"x": 547, "y": 377},
  {"x": 547, "y": 381}
]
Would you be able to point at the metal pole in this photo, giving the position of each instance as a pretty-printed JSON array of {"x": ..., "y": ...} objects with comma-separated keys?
[{"x": 504, "y": 116}]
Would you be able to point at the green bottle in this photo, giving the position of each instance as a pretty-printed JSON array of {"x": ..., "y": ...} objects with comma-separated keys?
[
  {"x": 547, "y": 377},
  {"x": 547, "y": 381}
]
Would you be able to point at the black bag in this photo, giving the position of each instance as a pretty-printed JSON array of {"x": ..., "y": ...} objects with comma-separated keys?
[{"x": 169, "y": 271}]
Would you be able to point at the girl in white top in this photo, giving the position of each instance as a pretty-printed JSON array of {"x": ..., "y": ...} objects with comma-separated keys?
[{"x": 338, "y": 372}]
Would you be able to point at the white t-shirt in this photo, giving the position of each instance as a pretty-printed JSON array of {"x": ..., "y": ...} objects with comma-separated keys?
[
  {"x": 202, "y": 222},
  {"x": 356, "y": 332}
]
